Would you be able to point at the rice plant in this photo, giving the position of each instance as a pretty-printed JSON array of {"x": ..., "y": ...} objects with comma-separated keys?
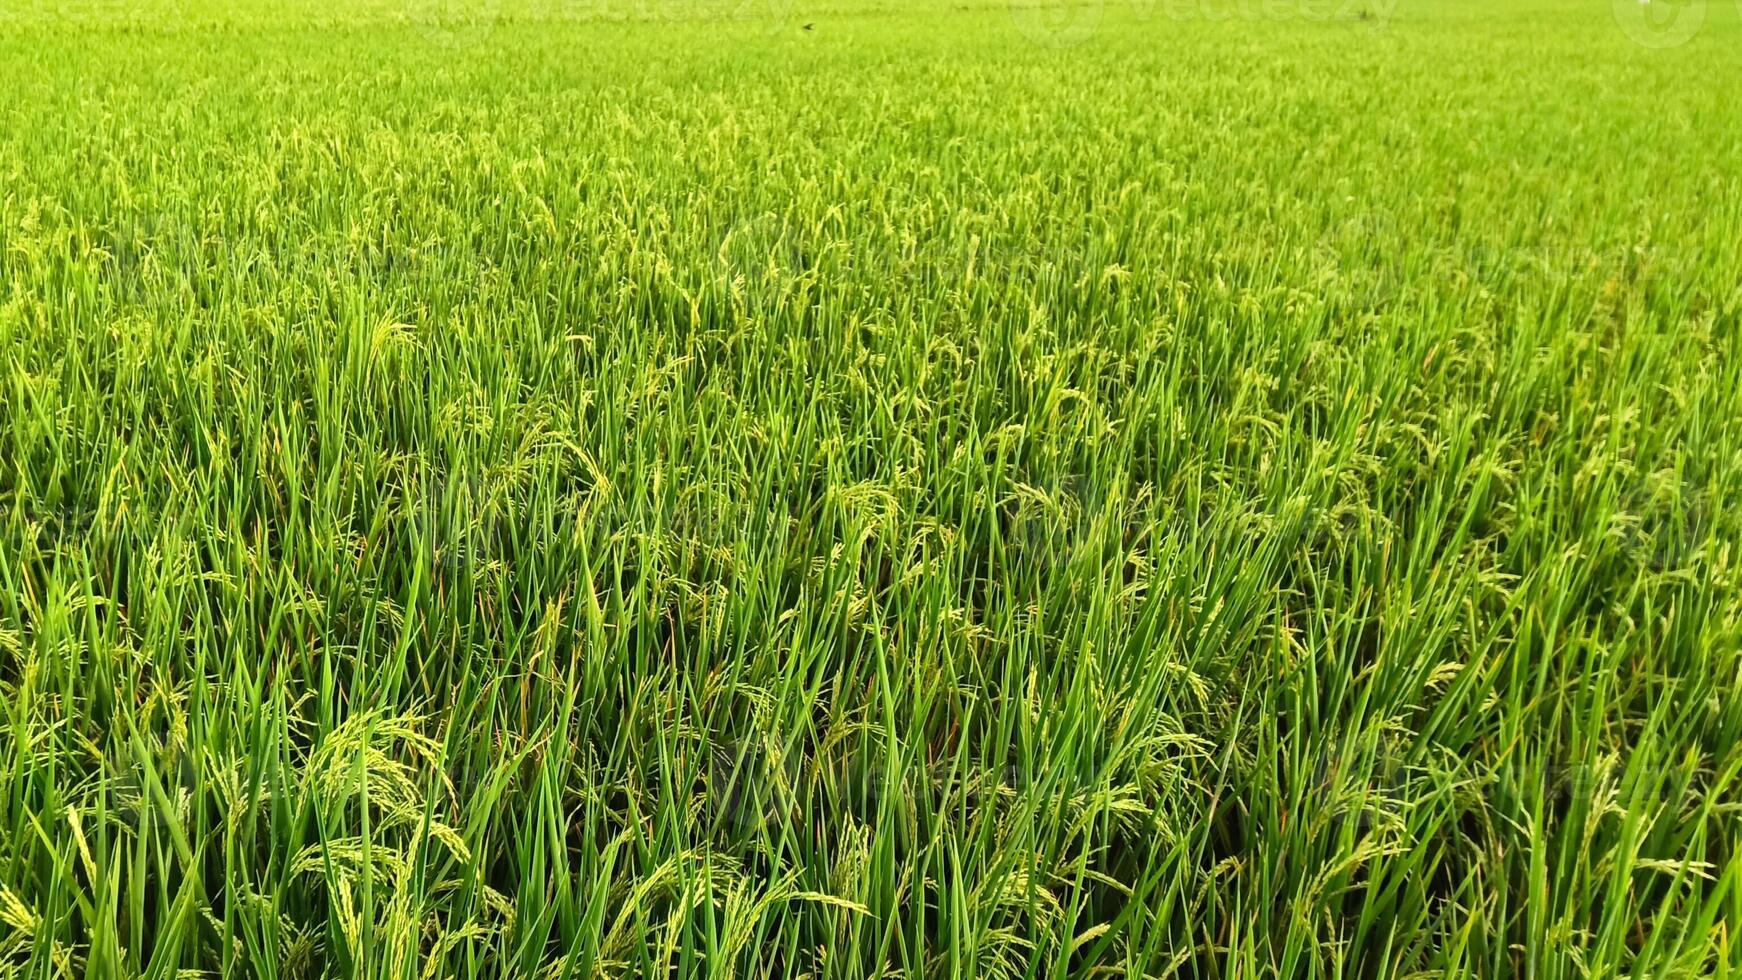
[{"x": 870, "y": 488}]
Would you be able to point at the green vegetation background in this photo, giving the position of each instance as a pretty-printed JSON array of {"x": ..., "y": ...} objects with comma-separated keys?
[{"x": 556, "y": 488}]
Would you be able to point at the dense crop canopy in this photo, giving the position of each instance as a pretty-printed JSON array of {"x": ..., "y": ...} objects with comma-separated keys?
[{"x": 597, "y": 488}]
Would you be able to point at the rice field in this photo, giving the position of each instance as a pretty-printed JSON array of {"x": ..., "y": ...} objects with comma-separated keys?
[{"x": 870, "y": 488}]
